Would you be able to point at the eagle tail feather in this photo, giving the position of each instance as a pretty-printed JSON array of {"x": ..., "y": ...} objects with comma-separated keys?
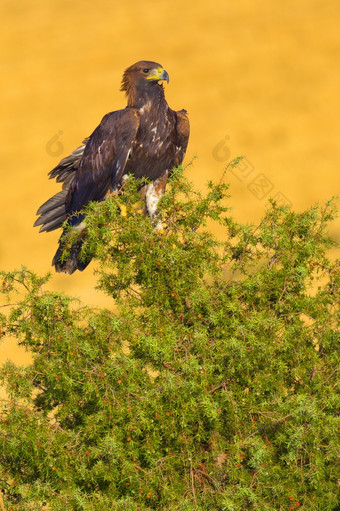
[
  {"x": 52, "y": 212},
  {"x": 57, "y": 200},
  {"x": 68, "y": 165}
]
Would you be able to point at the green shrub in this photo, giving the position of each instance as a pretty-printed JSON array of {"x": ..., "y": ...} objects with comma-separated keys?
[{"x": 211, "y": 387}]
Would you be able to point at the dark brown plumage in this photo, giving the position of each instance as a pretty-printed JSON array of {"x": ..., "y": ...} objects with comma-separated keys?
[{"x": 146, "y": 139}]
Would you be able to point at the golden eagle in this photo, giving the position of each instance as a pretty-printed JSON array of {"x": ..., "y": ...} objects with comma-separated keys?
[{"x": 146, "y": 139}]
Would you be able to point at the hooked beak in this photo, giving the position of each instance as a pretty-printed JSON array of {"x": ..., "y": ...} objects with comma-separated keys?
[{"x": 158, "y": 74}]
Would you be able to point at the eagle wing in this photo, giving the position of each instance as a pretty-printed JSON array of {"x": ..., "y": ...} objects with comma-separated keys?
[
  {"x": 182, "y": 132},
  {"x": 65, "y": 171},
  {"x": 154, "y": 190},
  {"x": 90, "y": 172},
  {"x": 104, "y": 159}
]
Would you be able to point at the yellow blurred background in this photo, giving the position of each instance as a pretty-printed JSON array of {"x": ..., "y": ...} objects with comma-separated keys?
[{"x": 260, "y": 79}]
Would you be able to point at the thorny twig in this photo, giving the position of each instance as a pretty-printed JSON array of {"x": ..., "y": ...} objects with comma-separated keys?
[
  {"x": 192, "y": 481},
  {"x": 266, "y": 426}
]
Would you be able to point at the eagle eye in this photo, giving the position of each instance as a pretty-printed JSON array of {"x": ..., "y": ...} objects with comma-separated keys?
[{"x": 146, "y": 70}]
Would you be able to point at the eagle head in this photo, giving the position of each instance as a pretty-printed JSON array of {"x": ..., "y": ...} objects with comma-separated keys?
[{"x": 143, "y": 74}]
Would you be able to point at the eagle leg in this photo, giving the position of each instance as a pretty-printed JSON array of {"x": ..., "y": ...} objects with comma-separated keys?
[{"x": 153, "y": 194}]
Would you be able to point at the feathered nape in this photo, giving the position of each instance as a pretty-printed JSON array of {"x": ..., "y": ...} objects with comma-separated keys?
[
  {"x": 140, "y": 92},
  {"x": 129, "y": 88},
  {"x": 125, "y": 82}
]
